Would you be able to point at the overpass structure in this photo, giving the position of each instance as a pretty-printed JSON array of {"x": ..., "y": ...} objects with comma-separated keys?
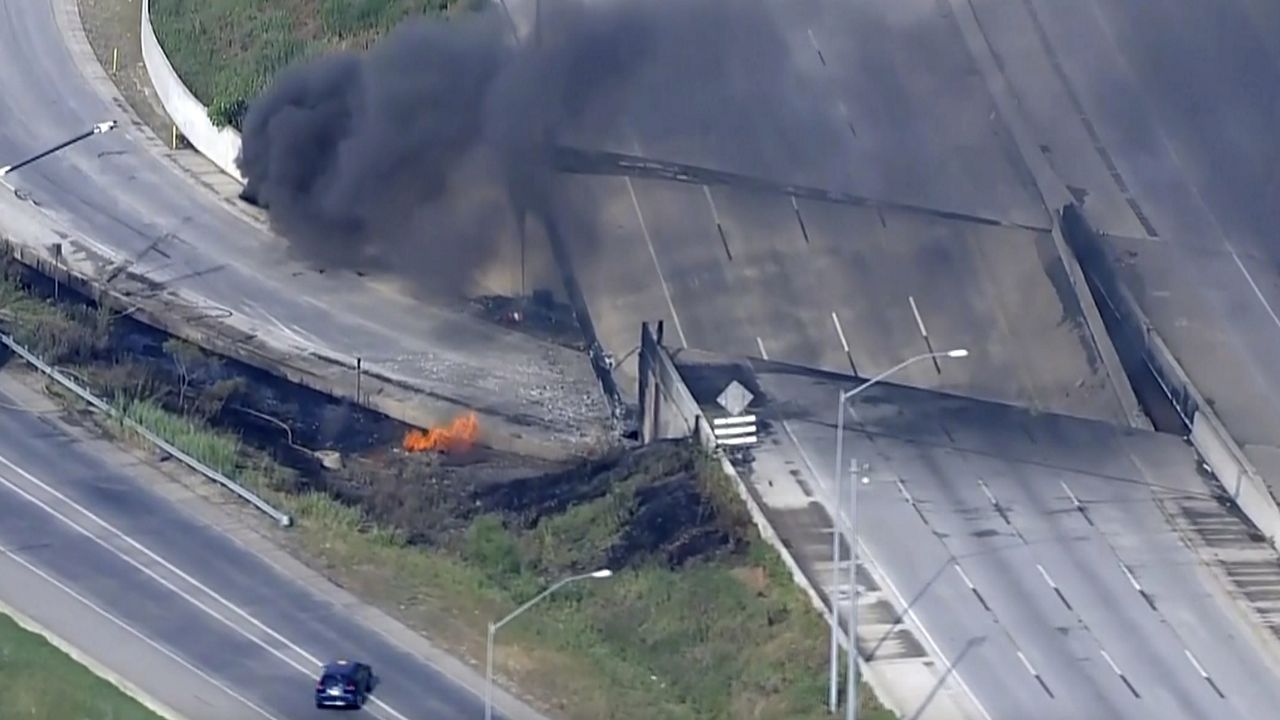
[
  {"x": 944, "y": 134},
  {"x": 1013, "y": 564}
]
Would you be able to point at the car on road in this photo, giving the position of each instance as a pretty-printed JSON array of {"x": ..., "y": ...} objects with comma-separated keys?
[{"x": 344, "y": 683}]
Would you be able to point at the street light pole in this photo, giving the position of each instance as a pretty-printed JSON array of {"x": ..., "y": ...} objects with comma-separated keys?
[
  {"x": 838, "y": 492},
  {"x": 851, "y": 670},
  {"x": 100, "y": 128},
  {"x": 833, "y": 694},
  {"x": 493, "y": 629}
]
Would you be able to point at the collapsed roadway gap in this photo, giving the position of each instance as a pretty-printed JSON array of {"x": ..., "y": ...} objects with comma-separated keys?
[{"x": 577, "y": 161}]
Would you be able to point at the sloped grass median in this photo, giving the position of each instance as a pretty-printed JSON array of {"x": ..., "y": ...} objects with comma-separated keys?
[
  {"x": 43, "y": 683},
  {"x": 700, "y": 620}
]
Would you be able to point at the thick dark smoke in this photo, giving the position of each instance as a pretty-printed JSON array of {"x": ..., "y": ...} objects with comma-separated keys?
[{"x": 423, "y": 152}]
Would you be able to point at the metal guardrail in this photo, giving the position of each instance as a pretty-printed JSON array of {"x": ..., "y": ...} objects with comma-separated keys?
[{"x": 282, "y": 518}]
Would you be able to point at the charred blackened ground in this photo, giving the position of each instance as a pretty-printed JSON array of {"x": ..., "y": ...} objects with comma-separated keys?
[
  {"x": 653, "y": 504},
  {"x": 656, "y": 504},
  {"x": 701, "y": 621},
  {"x": 540, "y": 315}
]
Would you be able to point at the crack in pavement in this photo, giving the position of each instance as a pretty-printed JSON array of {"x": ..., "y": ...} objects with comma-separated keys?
[{"x": 577, "y": 161}]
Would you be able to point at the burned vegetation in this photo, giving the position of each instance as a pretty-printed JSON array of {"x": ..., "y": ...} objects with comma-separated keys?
[{"x": 663, "y": 504}]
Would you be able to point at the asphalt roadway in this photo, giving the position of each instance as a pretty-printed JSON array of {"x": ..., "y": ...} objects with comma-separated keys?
[
  {"x": 116, "y": 559},
  {"x": 1162, "y": 117},
  {"x": 117, "y": 191},
  {"x": 1064, "y": 568},
  {"x": 877, "y": 99}
]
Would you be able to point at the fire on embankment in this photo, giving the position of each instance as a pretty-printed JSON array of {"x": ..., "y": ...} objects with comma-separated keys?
[{"x": 456, "y": 437}]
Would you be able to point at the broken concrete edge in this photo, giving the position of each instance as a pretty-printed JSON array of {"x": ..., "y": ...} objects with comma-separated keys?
[
  {"x": 335, "y": 377},
  {"x": 145, "y": 699},
  {"x": 656, "y": 363},
  {"x": 1208, "y": 435},
  {"x": 1053, "y": 196},
  {"x": 1102, "y": 341},
  {"x": 222, "y": 146}
]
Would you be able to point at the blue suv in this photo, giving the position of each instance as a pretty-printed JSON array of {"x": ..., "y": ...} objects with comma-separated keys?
[{"x": 344, "y": 684}]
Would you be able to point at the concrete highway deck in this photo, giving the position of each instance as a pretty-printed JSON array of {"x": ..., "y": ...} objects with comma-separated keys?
[
  {"x": 1162, "y": 118},
  {"x": 878, "y": 99},
  {"x": 1064, "y": 568},
  {"x": 118, "y": 193},
  {"x": 137, "y": 573}
]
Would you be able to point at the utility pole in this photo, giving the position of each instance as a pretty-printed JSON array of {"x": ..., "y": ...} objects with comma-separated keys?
[
  {"x": 833, "y": 685},
  {"x": 843, "y": 397},
  {"x": 851, "y": 679}
]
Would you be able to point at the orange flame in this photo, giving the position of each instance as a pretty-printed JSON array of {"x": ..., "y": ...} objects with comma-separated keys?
[{"x": 458, "y": 436}]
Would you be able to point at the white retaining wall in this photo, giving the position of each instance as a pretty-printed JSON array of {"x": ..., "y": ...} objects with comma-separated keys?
[{"x": 220, "y": 145}]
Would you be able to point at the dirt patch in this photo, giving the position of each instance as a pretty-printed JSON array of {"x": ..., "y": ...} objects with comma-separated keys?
[{"x": 113, "y": 28}]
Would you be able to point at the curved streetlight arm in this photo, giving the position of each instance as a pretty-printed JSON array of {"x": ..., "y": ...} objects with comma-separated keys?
[
  {"x": 493, "y": 630},
  {"x": 540, "y": 596},
  {"x": 868, "y": 383},
  {"x": 97, "y": 129}
]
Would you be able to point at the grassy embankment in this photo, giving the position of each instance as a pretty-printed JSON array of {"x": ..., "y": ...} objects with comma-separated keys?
[
  {"x": 701, "y": 621},
  {"x": 44, "y": 683},
  {"x": 228, "y": 50}
]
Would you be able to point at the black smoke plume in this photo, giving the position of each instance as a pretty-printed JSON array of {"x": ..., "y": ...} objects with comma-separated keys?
[{"x": 421, "y": 153}]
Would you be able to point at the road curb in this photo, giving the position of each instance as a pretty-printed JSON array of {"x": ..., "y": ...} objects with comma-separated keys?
[{"x": 95, "y": 667}]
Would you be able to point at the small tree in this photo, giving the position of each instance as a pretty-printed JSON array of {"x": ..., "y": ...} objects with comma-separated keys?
[{"x": 187, "y": 359}]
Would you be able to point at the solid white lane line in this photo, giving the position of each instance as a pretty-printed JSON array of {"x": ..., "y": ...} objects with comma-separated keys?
[
  {"x": 1054, "y": 586},
  {"x": 653, "y": 254},
  {"x": 133, "y": 631},
  {"x": 1027, "y": 664},
  {"x": 1256, "y": 291},
  {"x": 835, "y": 319},
  {"x": 1212, "y": 684},
  {"x": 1196, "y": 663},
  {"x": 1074, "y": 500},
  {"x": 919, "y": 320},
  {"x": 1114, "y": 668},
  {"x": 987, "y": 491},
  {"x": 1119, "y": 673},
  {"x": 715, "y": 214},
  {"x": 1128, "y": 574},
  {"x": 1045, "y": 574},
  {"x": 844, "y": 343},
  {"x": 167, "y": 565}
]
